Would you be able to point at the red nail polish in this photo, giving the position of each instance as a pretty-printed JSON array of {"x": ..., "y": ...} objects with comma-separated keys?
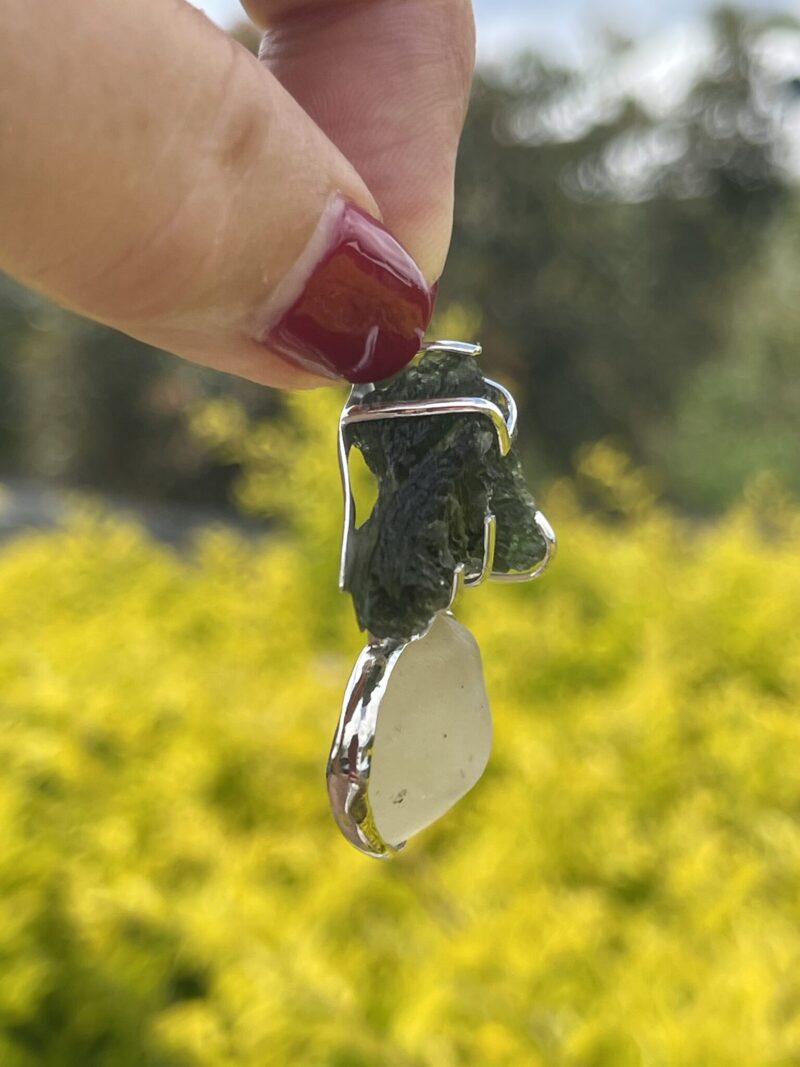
[{"x": 364, "y": 308}]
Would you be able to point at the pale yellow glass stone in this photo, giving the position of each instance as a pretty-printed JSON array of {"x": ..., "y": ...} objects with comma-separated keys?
[{"x": 434, "y": 732}]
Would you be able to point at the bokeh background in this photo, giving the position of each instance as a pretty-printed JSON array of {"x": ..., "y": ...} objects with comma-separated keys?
[{"x": 623, "y": 888}]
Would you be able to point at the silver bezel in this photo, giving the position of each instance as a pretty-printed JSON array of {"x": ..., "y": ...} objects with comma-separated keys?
[{"x": 350, "y": 760}]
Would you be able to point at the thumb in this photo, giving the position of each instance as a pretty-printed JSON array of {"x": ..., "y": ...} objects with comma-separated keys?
[
  {"x": 388, "y": 81},
  {"x": 166, "y": 184}
]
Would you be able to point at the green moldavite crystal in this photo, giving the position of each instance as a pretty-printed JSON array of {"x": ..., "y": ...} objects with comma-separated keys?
[{"x": 438, "y": 477}]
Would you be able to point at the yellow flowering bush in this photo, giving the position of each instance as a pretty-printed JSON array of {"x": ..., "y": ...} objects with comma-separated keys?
[{"x": 623, "y": 888}]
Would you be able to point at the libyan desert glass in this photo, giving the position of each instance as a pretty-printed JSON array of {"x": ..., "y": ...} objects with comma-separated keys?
[{"x": 414, "y": 737}]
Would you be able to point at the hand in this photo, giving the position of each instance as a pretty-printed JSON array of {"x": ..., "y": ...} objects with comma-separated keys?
[{"x": 156, "y": 177}]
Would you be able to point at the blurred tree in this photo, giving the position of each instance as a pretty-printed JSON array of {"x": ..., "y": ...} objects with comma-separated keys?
[
  {"x": 83, "y": 405},
  {"x": 741, "y": 414},
  {"x": 624, "y": 260},
  {"x": 607, "y": 246}
]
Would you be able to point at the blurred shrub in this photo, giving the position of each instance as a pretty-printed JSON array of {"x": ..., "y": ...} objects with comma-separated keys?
[{"x": 621, "y": 889}]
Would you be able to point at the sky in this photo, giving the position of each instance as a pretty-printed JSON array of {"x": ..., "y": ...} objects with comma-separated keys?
[
  {"x": 568, "y": 27},
  {"x": 564, "y": 28}
]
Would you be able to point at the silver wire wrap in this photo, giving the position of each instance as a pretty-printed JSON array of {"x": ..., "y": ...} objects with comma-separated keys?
[{"x": 505, "y": 424}]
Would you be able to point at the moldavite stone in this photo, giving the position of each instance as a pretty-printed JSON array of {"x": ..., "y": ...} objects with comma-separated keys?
[
  {"x": 438, "y": 477},
  {"x": 434, "y": 733}
]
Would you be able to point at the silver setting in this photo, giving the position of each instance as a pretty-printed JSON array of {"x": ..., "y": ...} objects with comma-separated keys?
[
  {"x": 550, "y": 550},
  {"x": 350, "y": 761},
  {"x": 505, "y": 424},
  {"x": 458, "y": 348},
  {"x": 408, "y": 736}
]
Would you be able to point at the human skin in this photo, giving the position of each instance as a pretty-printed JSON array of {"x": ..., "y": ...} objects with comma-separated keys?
[{"x": 156, "y": 177}]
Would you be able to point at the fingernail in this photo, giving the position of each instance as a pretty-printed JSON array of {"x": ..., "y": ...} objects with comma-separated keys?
[{"x": 363, "y": 304}]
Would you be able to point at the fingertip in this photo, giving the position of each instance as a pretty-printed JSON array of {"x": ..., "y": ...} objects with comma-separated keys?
[
  {"x": 388, "y": 81},
  {"x": 356, "y": 305}
]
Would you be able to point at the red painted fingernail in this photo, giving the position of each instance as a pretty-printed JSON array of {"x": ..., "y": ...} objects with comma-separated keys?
[{"x": 364, "y": 304}]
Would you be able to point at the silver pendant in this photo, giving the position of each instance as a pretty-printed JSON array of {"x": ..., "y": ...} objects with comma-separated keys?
[{"x": 415, "y": 731}]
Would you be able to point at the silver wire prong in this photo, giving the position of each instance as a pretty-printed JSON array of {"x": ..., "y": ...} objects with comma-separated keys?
[
  {"x": 489, "y": 545},
  {"x": 511, "y": 404},
  {"x": 551, "y": 548},
  {"x": 457, "y": 348},
  {"x": 452, "y": 405},
  {"x": 458, "y": 584}
]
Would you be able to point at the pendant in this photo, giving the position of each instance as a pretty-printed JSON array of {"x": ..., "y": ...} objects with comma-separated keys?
[
  {"x": 414, "y": 737},
  {"x": 415, "y": 731}
]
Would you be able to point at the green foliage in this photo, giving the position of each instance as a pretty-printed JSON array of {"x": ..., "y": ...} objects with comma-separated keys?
[
  {"x": 740, "y": 415},
  {"x": 621, "y": 889},
  {"x": 83, "y": 405},
  {"x": 609, "y": 247}
]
